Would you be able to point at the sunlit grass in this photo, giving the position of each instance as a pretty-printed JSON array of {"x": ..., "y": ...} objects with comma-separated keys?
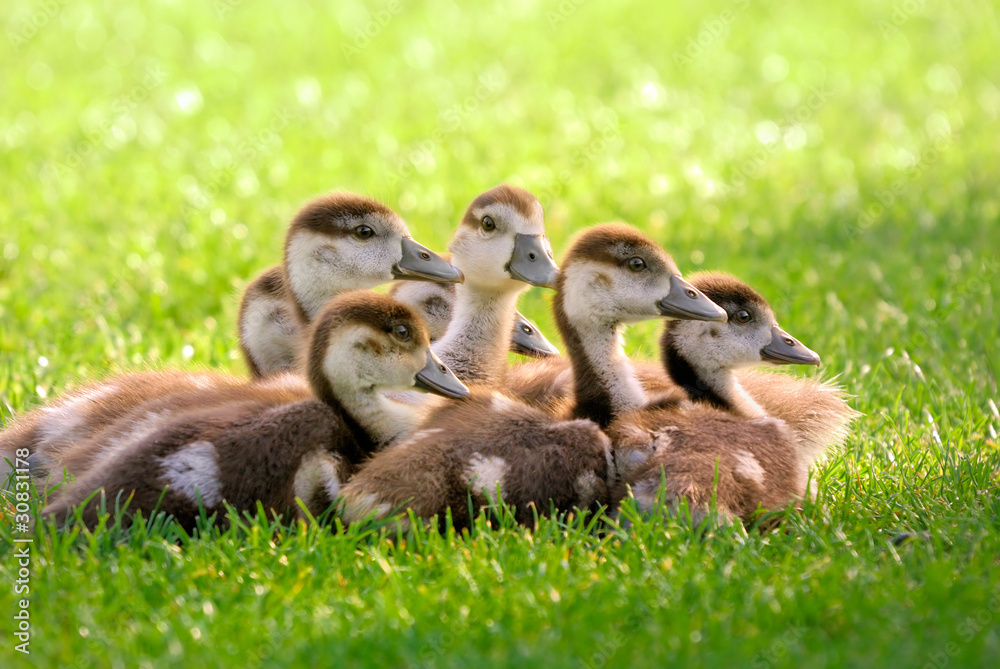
[{"x": 840, "y": 157}]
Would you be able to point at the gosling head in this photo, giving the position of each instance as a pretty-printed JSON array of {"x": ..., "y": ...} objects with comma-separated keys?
[
  {"x": 614, "y": 274},
  {"x": 750, "y": 336},
  {"x": 363, "y": 342},
  {"x": 433, "y": 301},
  {"x": 341, "y": 241},
  {"x": 501, "y": 243}
]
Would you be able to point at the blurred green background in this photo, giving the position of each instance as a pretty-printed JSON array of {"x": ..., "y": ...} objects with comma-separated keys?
[
  {"x": 842, "y": 157},
  {"x": 155, "y": 152}
]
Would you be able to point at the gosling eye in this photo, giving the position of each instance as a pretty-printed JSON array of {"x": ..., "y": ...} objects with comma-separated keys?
[
  {"x": 742, "y": 316},
  {"x": 527, "y": 329},
  {"x": 364, "y": 232},
  {"x": 401, "y": 332},
  {"x": 489, "y": 225},
  {"x": 636, "y": 264}
]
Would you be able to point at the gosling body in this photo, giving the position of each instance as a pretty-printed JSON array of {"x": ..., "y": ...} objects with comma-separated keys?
[{"x": 257, "y": 449}]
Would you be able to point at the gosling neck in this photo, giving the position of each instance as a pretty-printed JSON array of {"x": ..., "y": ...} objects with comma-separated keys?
[
  {"x": 382, "y": 419},
  {"x": 711, "y": 384},
  {"x": 477, "y": 339},
  {"x": 603, "y": 379}
]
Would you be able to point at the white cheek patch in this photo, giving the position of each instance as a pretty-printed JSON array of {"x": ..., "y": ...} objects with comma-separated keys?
[
  {"x": 345, "y": 365},
  {"x": 748, "y": 467},
  {"x": 311, "y": 280},
  {"x": 352, "y": 368},
  {"x": 582, "y": 297},
  {"x": 318, "y": 471},
  {"x": 270, "y": 333},
  {"x": 709, "y": 355},
  {"x": 485, "y": 474},
  {"x": 483, "y": 260},
  {"x": 320, "y": 266},
  {"x": 193, "y": 472},
  {"x": 630, "y": 463},
  {"x": 358, "y": 376}
]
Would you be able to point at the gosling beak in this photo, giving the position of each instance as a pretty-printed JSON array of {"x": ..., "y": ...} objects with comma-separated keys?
[
  {"x": 530, "y": 262},
  {"x": 528, "y": 340},
  {"x": 785, "y": 349},
  {"x": 436, "y": 378},
  {"x": 419, "y": 263},
  {"x": 685, "y": 302}
]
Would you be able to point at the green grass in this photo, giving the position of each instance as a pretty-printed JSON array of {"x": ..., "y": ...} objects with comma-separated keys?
[{"x": 153, "y": 154}]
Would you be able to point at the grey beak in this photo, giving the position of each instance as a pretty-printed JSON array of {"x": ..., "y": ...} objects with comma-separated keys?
[
  {"x": 530, "y": 262},
  {"x": 785, "y": 349},
  {"x": 528, "y": 340},
  {"x": 685, "y": 302},
  {"x": 419, "y": 263},
  {"x": 436, "y": 378}
]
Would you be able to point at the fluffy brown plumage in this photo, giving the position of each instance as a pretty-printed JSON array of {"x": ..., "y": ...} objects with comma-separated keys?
[
  {"x": 707, "y": 455},
  {"x": 55, "y": 434},
  {"x": 239, "y": 453},
  {"x": 336, "y": 243},
  {"x": 538, "y": 460},
  {"x": 485, "y": 443},
  {"x": 266, "y": 446},
  {"x": 758, "y": 433}
]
